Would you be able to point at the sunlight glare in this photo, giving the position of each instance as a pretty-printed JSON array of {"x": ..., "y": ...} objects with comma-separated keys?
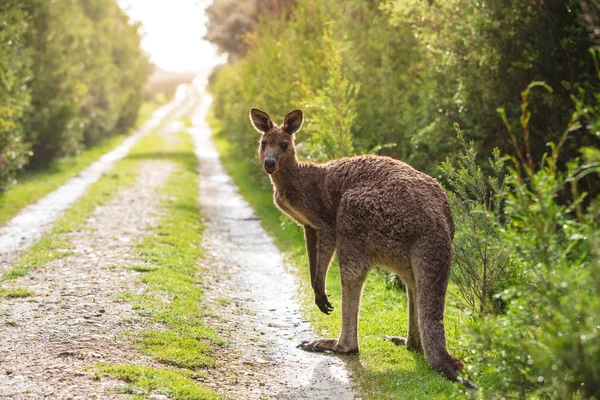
[{"x": 173, "y": 33}]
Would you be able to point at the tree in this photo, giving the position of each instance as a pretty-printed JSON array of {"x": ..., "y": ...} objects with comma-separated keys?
[{"x": 15, "y": 73}]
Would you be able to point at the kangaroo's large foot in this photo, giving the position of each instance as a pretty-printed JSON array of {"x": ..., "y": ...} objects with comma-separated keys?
[
  {"x": 326, "y": 345},
  {"x": 402, "y": 341}
]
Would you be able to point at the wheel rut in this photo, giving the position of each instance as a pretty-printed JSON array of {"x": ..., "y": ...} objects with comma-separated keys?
[
  {"x": 74, "y": 320},
  {"x": 253, "y": 298}
]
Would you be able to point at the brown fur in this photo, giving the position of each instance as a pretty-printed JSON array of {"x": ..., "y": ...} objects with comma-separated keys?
[{"x": 371, "y": 210}]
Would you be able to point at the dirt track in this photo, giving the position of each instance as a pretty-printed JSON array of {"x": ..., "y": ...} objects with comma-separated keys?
[
  {"x": 74, "y": 320},
  {"x": 254, "y": 297}
]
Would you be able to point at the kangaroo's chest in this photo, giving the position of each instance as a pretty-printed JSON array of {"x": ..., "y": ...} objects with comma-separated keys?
[{"x": 293, "y": 208}]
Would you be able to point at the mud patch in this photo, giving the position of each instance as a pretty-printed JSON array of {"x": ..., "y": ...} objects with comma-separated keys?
[
  {"x": 253, "y": 299},
  {"x": 74, "y": 319}
]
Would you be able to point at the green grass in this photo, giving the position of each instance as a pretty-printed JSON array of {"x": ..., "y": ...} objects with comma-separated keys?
[
  {"x": 166, "y": 381},
  {"x": 187, "y": 122},
  {"x": 170, "y": 271},
  {"x": 14, "y": 293},
  {"x": 35, "y": 184},
  {"x": 55, "y": 245},
  {"x": 382, "y": 370}
]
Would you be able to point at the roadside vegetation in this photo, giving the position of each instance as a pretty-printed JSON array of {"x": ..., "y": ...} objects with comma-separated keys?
[
  {"x": 71, "y": 75},
  {"x": 475, "y": 94},
  {"x": 36, "y": 183}
]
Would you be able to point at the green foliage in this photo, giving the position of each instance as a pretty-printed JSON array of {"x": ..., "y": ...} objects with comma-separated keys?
[
  {"x": 332, "y": 108},
  {"x": 483, "y": 53},
  {"x": 15, "y": 64},
  {"x": 481, "y": 262},
  {"x": 72, "y": 74},
  {"x": 548, "y": 343},
  {"x": 420, "y": 66}
]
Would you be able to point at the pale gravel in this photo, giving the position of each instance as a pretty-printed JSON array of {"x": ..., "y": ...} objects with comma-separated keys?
[
  {"x": 74, "y": 320},
  {"x": 253, "y": 299}
]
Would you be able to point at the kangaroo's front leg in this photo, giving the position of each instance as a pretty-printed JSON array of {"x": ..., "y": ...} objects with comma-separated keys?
[
  {"x": 353, "y": 277},
  {"x": 311, "y": 237},
  {"x": 325, "y": 249}
]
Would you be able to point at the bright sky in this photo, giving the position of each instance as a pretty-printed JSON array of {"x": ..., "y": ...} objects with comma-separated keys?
[{"x": 173, "y": 31}]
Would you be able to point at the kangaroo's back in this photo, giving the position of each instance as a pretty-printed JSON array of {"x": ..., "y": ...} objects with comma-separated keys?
[{"x": 382, "y": 185}]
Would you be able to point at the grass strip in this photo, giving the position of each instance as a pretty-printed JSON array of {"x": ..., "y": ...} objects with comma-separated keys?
[
  {"x": 35, "y": 184},
  {"x": 162, "y": 381},
  {"x": 55, "y": 244},
  {"x": 382, "y": 370},
  {"x": 173, "y": 292},
  {"x": 15, "y": 293}
]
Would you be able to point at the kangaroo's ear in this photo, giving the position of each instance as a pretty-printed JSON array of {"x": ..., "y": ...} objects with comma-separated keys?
[
  {"x": 293, "y": 121},
  {"x": 261, "y": 120}
]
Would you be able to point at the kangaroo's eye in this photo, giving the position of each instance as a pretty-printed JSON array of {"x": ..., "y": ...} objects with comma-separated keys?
[
  {"x": 263, "y": 144},
  {"x": 284, "y": 146}
]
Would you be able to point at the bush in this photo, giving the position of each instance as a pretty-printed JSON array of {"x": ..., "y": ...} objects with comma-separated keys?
[
  {"x": 420, "y": 66},
  {"x": 548, "y": 343},
  {"x": 71, "y": 74},
  {"x": 15, "y": 64},
  {"x": 481, "y": 266},
  {"x": 90, "y": 76}
]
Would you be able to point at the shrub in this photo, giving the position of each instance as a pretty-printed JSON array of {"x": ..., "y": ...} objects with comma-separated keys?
[
  {"x": 85, "y": 84},
  {"x": 15, "y": 63},
  {"x": 548, "y": 343},
  {"x": 420, "y": 66},
  {"x": 481, "y": 263}
]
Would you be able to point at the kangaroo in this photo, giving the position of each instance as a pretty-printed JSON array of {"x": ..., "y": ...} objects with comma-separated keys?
[{"x": 371, "y": 210}]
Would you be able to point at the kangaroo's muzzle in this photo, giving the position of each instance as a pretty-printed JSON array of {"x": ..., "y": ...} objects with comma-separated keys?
[{"x": 270, "y": 165}]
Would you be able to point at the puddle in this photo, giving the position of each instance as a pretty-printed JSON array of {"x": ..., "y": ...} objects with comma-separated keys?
[{"x": 248, "y": 270}]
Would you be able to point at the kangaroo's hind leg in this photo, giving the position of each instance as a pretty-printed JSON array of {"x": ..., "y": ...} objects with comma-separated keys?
[
  {"x": 354, "y": 266},
  {"x": 413, "y": 339},
  {"x": 431, "y": 266}
]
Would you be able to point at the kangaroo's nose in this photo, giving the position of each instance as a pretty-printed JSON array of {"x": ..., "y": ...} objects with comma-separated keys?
[{"x": 269, "y": 165}]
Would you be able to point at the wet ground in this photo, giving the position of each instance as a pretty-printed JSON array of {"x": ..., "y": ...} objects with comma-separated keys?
[{"x": 254, "y": 297}]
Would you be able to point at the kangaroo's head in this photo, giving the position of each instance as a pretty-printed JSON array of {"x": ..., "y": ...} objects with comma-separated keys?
[{"x": 276, "y": 148}]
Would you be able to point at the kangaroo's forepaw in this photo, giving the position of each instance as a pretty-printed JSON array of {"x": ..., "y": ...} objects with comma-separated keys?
[
  {"x": 322, "y": 301},
  {"x": 325, "y": 345}
]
